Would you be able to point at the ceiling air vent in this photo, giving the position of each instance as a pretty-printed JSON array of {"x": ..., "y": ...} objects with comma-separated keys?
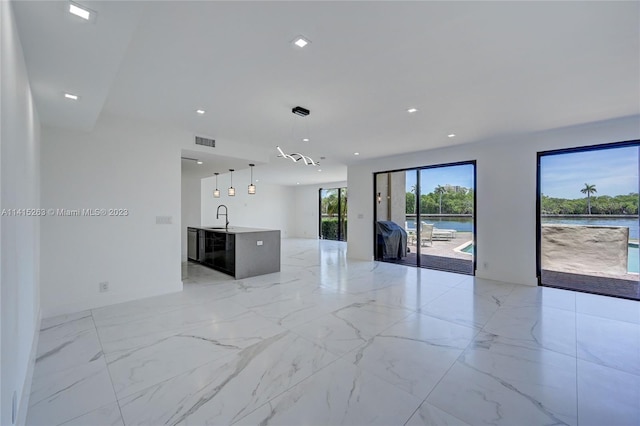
[{"x": 205, "y": 142}]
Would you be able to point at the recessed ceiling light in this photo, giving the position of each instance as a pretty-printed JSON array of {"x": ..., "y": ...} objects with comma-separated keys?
[
  {"x": 71, "y": 96},
  {"x": 297, "y": 183},
  {"x": 451, "y": 135},
  {"x": 76, "y": 9},
  {"x": 305, "y": 140},
  {"x": 199, "y": 162},
  {"x": 257, "y": 180},
  {"x": 301, "y": 41},
  {"x": 319, "y": 170},
  {"x": 200, "y": 111},
  {"x": 412, "y": 110},
  {"x": 356, "y": 153}
]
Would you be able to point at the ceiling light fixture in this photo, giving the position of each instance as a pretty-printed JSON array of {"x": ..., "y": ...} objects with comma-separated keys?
[
  {"x": 296, "y": 156},
  {"x": 192, "y": 159},
  {"x": 301, "y": 41},
  {"x": 200, "y": 111},
  {"x": 80, "y": 11},
  {"x": 216, "y": 192},
  {"x": 71, "y": 96},
  {"x": 451, "y": 135},
  {"x": 232, "y": 191},
  {"x": 356, "y": 153},
  {"x": 412, "y": 110},
  {"x": 252, "y": 187},
  {"x": 302, "y": 112}
]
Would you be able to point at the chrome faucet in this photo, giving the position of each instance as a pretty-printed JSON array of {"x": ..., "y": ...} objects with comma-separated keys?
[{"x": 226, "y": 215}]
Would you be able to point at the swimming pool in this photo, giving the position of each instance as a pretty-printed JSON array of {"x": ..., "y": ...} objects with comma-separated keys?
[
  {"x": 632, "y": 266},
  {"x": 634, "y": 258}
]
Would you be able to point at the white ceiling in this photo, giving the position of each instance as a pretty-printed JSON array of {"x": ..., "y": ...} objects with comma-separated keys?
[{"x": 476, "y": 69}]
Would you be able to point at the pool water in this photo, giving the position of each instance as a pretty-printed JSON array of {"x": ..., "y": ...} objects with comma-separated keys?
[
  {"x": 634, "y": 258},
  {"x": 632, "y": 266}
]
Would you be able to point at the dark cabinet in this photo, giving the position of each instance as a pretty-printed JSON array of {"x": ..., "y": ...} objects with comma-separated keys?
[{"x": 219, "y": 251}]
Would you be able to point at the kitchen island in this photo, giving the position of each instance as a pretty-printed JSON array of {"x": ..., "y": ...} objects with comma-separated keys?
[{"x": 236, "y": 251}]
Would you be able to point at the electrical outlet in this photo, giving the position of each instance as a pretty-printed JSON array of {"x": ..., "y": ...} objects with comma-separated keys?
[{"x": 103, "y": 286}]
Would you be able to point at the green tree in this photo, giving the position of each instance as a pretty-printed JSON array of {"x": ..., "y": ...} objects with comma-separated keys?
[
  {"x": 410, "y": 203},
  {"x": 589, "y": 189}
]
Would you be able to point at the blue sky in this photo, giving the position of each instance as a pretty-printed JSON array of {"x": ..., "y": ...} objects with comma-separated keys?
[
  {"x": 430, "y": 178},
  {"x": 612, "y": 171}
]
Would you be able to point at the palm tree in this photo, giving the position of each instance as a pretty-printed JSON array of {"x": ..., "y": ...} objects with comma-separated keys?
[
  {"x": 440, "y": 190},
  {"x": 589, "y": 189}
]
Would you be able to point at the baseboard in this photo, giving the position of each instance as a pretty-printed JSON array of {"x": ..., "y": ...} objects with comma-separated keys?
[
  {"x": 110, "y": 299},
  {"x": 21, "y": 418}
]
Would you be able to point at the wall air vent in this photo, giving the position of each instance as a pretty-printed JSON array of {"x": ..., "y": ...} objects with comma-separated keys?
[{"x": 205, "y": 142}]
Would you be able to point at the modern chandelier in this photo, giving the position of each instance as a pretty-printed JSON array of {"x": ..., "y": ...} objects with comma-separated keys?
[{"x": 296, "y": 156}]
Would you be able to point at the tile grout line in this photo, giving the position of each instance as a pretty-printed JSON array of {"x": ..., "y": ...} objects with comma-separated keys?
[
  {"x": 441, "y": 379},
  {"x": 104, "y": 356},
  {"x": 471, "y": 341},
  {"x": 296, "y": 384}
]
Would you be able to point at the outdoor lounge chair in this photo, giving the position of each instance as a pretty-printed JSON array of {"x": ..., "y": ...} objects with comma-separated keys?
[
  {"x": 411, "y": 233},
  {"x": 426, "y": 234},
  {"x": 444, "y": 234}
]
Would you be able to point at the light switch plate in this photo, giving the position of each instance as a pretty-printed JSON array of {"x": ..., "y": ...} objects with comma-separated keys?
[
  {"x": 164, "y": 220},
  {"x": 258, "y": 243}
]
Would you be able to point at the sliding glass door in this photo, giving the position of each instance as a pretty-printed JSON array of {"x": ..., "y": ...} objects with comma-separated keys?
[
  {"x": 435, "y": 207},
  {"x": 588, "y": 219},
  {"x": 333, "y": 214},
  {"x": 447, "y": 199}
]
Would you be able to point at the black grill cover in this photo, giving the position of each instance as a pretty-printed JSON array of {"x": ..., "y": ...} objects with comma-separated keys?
[{"x": 392, "y": 238}]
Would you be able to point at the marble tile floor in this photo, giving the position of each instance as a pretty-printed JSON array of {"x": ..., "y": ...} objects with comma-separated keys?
[{"x": 331, "y": 341}]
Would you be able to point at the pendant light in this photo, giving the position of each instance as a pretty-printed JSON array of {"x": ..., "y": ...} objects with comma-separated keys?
[
  {"x": 296, "y": 156},
  {"x": 252, "y": 187},
  {"x": 232, "y": 190},
  {"x": 216, "y": 192}
]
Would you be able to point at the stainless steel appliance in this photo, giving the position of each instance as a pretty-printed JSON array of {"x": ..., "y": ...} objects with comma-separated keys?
[{"x": 192, "y": 244}]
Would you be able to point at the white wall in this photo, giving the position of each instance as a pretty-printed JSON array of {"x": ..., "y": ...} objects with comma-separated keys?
[
  {"x": 306, "y": 208},
  {"x": 20, "y": 235},
  {"x": 506, "y": 192},
  {"x": 272, "y": 206},
  {"x": 191, "y": 208},
  {"x": 123, "y": 164}
]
